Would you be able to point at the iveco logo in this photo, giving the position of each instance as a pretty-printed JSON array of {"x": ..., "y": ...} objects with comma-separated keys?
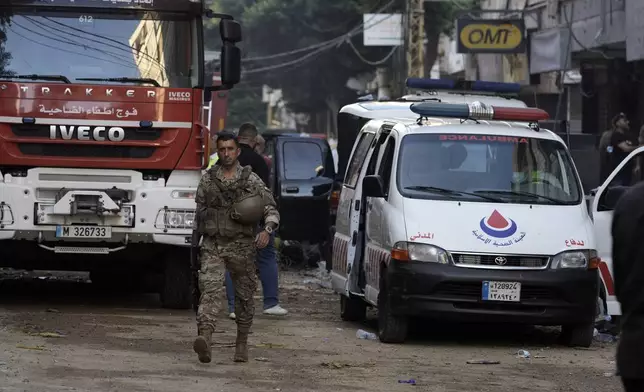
[
  {"x": 100, "y": 134},
  {"x": 500, "y": 260}
]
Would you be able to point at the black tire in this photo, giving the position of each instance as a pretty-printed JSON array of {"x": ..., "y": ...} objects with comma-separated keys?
[
  {"x": 176, "y": 292},
  {"x": 391, "y": 328},
  {"x": 577, "y": 335},
  {"x": 352, "y": 308}
]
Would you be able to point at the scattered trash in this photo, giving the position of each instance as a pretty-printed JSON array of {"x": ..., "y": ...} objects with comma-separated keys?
[
  {"x": 410, "y": 381},
  {"x": 38, "y": 348},
  {"x": 270, "y": 345},
  {"x": 483, "y": 362},
  {"x": 223, "y": 344},
  {"x": 52, "y": 310},
  {"x": 49, "y": 335},
  {"x": 603, "y": 337},
  {"x": 334, "y": 365},
  {"x": 609, "y": 374},
  {"x": 524, "y": 354},
  {"x": 262, "y": 359},
  {"x": 362, "y": 334}
]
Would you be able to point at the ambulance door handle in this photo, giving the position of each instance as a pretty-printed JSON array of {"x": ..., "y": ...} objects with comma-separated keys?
[
  {"x": 354, "y": 238},
  {"x": 292, "y": 189}
]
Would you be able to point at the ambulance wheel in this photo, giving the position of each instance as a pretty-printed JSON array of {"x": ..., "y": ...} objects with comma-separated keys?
[
  {"x": 577, "y": 335},
  {"x": 352, "y": 309},
  {"x": 176, "y": 290},
  {"x": 391, "y": 328}
]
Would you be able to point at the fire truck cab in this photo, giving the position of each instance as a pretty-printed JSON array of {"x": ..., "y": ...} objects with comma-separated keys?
[{"x": 102, "y": 136}]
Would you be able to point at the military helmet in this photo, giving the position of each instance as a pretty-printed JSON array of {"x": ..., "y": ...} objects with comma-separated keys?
[{"x": 249, "y": 210}]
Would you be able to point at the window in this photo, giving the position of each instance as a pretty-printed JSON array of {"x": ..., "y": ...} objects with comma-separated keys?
[
  {"x": 78, "y": 43},
  {"x": 487, "y": 168},
  {"x": 355, "y": 166},
  {"x": 302, "y": 160},
  {"x": 384, "y": 170}
]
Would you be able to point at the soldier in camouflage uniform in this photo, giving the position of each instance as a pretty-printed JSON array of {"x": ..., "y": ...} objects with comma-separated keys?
[{"x": 231, "y": 201}]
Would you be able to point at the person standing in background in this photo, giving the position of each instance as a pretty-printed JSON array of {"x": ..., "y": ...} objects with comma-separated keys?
[
  {"x": 621, "y": 144},
  {"x": 267, "y": 256},
  {"x": 213, "y": 146},
  {"x": 628, "y": 267}
]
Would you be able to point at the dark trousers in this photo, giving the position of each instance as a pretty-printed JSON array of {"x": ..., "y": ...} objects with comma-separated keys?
[{"x": 633, "y": 384}]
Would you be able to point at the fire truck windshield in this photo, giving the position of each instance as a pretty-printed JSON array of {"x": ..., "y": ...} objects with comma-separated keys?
[{"x": 126, "y": 47}]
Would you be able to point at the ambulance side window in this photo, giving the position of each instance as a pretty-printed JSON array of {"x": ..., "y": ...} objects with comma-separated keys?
[
  {"x": 355, "y": 166},
  {"x": 384, "y": 170}
]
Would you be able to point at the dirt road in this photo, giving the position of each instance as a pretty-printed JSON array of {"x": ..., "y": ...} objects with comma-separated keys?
[{"x": 62, "y": 335}]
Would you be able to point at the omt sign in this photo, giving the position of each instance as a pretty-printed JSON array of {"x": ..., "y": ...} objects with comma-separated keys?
[{"x": 490, "y": 36}]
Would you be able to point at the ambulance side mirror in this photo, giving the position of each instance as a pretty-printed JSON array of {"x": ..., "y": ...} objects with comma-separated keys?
[{"x": 372, "y": 186}]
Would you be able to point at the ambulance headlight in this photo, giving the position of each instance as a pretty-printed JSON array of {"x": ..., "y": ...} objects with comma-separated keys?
[
  {"x": 410, "y": 251},
  {"x": 575, "y": 259}
]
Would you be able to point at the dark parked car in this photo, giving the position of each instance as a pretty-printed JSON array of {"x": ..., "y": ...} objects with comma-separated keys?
[{"x": 302, "y": 179}]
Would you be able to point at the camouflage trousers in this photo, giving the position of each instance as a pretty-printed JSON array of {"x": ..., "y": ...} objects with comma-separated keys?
[{"x": 238, "y": 257}]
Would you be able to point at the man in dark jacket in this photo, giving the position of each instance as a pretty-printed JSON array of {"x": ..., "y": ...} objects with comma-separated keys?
[
  {"x": 628, "y": 267},
  {"x": 266, "y": 257}
]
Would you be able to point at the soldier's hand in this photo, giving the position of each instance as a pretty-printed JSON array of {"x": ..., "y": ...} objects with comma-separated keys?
[{"x": 262, "y": 239}]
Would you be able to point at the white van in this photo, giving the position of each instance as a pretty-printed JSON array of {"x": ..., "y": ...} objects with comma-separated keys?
[
  {"x": 602, "y": 205},
  {"x": 469, "y": 216}
]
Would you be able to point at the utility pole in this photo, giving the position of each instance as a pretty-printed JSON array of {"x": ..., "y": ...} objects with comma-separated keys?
[{"x": 415, "y": 38}]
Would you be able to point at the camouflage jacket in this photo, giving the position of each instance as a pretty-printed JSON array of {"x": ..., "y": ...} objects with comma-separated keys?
[{"x": 213, "y": 203}]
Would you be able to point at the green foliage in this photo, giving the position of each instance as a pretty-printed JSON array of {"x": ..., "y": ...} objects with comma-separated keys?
[
  {"x": 5, "y": 57},
  {"x": 276, "y": 26}
]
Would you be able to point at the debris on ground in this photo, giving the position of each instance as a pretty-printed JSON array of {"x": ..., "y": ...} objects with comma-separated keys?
[
  {"x": 482, "y": 362},
  {"x": 362, "y": 334},
  {"x": 410, "y": 381},
  {"x": 524, "y": 354},
  {"x": 37, "y": 348}
]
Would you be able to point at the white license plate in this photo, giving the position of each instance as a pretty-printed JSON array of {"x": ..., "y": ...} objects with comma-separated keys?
[
  {"x": 83, "y": 232},
  {"x": 501, "y": 291}
]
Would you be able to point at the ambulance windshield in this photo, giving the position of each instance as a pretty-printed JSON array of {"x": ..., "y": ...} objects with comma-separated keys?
[{"x": 508, "y": 169}]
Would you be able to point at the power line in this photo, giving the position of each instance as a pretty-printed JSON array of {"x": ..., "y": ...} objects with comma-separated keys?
[
  {"x": 374, "y": 63},
  {"x": 336, "y": 40}
]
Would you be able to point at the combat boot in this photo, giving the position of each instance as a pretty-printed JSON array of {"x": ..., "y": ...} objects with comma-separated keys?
[
  {"x": 202, "y": 345},
  {"x": 241, "y": 347}
]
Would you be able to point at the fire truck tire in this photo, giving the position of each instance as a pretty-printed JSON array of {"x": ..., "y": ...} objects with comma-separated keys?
[
  {"x": 352, "y": 308},
  {"x": 176, "y": 292},
  {"x": 391, "y": 328}
]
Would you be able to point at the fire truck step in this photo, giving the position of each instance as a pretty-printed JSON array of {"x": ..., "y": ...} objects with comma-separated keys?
[{"x": 80, "y": 250}]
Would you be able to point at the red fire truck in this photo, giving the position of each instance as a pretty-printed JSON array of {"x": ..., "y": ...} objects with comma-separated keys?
[{"x": 102, "y": 136}]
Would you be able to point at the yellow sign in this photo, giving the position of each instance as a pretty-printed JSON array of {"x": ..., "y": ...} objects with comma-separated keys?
[{"x": 490, "y": 36}]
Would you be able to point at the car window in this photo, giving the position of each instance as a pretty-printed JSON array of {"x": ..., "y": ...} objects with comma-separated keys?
[
  {"x": 302, "y": 160},
  {"x": 355, "y": 166}
]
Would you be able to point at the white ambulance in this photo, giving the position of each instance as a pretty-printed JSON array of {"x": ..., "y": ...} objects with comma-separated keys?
[{"x": 470, "y": 212}]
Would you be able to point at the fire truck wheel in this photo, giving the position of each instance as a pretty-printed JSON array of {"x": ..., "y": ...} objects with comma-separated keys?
[{"x": 176, "y": 292}]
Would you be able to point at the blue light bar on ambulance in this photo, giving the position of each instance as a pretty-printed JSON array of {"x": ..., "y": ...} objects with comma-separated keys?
[
  {"x": 463, "y": 85},
  {"x": 430, "y": 84},
  {"x": 478, "y": 111}
]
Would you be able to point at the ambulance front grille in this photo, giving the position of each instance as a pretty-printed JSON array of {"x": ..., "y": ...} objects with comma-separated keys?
[{"x": 472, "y": 260}]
